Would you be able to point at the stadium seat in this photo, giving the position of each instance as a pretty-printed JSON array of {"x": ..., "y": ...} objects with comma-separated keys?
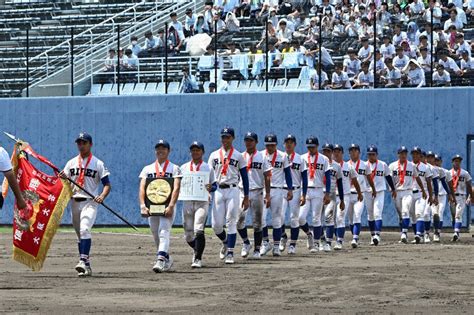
[
  {"x": 173, "y": 87},
  {"x": 304, "y": 84},
  {"x": 160, "y": 88},
  {"x": 139, "y": 88},
  {"x": 255, "y": 86},
  {"x": 108, "y": 89},
  {"x": 280, "y": 85},
  {"x": 244, "y": 86},
  {"x": 233, "y": 86},
  {"x": 292, "y": 84},
  {"x": 95, "y": 89},
  {"x": 127, "y": 88},
  {"x": 150, "y": 88}
]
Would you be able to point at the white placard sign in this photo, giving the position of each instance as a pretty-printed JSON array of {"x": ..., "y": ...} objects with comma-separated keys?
[{"x": 193, "y": 186}]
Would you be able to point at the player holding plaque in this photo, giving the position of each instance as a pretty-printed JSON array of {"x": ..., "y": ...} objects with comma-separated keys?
[
  {"x": 195, "y": 211},
  {"x": 159, "y": 189}
]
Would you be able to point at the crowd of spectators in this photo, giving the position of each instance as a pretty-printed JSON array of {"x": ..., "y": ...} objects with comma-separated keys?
[{"x": 408, "y": 42}]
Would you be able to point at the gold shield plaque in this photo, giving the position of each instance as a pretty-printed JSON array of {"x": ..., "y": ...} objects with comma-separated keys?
[{"x": 158, "y": 194}]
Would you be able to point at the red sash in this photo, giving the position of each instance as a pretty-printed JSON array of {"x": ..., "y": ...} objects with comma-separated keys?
[
  {"x": 312, "y": 165},
  {"x": 225, "y": 161},
  {"x": 198, "y": 167},
  {"x": 157, "y": 168},
  {"x": 80, "y": 180},
  {"x": 455, "y": 178},
  {"x": 401, "y": 174}
]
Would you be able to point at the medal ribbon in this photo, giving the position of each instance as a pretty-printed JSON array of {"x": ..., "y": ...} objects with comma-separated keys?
[
  {"x": 225, "y": 161},
  {"x": 157, "y": 168},
  {"x": 249, "y": 163},
  {"x": 198, "y": 166},
  {"x": 312, "y": 165},
  {"x": 80, "y": 180},
  {"x": 455, "y": 178},
  {"x": 372, "y": 175},
  {"x": 274, "y": 157},
  {"x": 401, "y": 174}
]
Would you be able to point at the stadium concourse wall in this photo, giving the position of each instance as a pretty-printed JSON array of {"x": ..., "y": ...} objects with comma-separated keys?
[{"x": 126, "y": 128}]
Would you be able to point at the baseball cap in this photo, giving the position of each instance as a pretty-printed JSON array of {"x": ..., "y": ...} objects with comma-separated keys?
[
  {"x": 464, "y": 52},
  {"x": 416, "y": 149},
  {"x": 423, "y": 153},
  {"x": 338, "y": 147},
  {"x": 251, "y": 136},
  {"x": 438, "y": 157},
  {"x": 196, "y": 144},
  {"x": 354, "y": 146},
  {"x": 228, "y": 131},
  {"x": 290, "y": 137},
  {"x": 270, "y": 139},
  {"x": 162, "y": 143},
  {"x": 430, "y": 153},
  {"x": 84, "y": 136},
  {"x": 402, "y": 149},
  {"x": 456, "y": 157},
  {"x": 312, "y": 141},
  {"x": 372, "y": 149},
  {"x": 328, "y": 146}
]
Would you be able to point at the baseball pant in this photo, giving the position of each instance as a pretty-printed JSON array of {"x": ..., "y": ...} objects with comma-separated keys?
[
  {"x": 402, "y": 205},
  {"x": 458, "y": 212},
  {"x": 314, "y": 203},
  {"x": 226, "y": 212},
  {"x": 437, "y": 212},
  {"x": 160, "y": 227},
  {"x": 374, "y": 211},
  {"x": 294, "y": 205},
  {"x": 255, "y": 210},
  {"x": 276, "y": 205},
  {"x": 329, "y": 212},
  {"x": 354, "y": 212},
  {"x": 417, "y": 212},
  {"x": 83, "y": 217},
  {"x": 341, "y": 217},
  {"x": 194, "y": 218}
]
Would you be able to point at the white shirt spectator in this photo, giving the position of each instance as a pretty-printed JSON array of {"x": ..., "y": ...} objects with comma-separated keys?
[
  {"x": 400, "y": 62},
  {"x": 387, "y": 51},
  {"x": 364, "y": 52},
  {"x": 135, "y": 48},
  {"x": 380, "y": 65},
  {"x": 417, "y": 7},
  {"x": 366, "y": 78},
  {"x": 467, "y": 65},
  {"x": 463, "y": 46},
  {"x": 338, "y": 79},
  {"x": 130, "y": 62},
  {"x": 393, "y": 75},
  {"x": 456, "y": 23},
  {"x": 153, "y": 42},
  {"x": 352, "y": 67},
  {"x": 441, "y": 79},
  {"x": 177, "y": 25},
  {"x": 449, "y": 64},
  {"x": 315, "y": 78},
  {"x": 189, "y": 21},
  {"x": 397, "y": 39},
  {"x": 416, "y": 77},
  {"x": 437, "y": 13},
  {"x": 425, "y": 63}
]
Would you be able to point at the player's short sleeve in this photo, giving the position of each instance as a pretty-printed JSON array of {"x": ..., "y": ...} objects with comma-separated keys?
[
  {"x": 429, "y": 172},
  {"x": 352, "y": 172},
  {"x": 102, "y": 169},
  {"x": 325, "y": 165},
  {"x": 303, "y": 166},
  {"x": 386, "y": 170},
  {"x": 143, "y": 173},
  {"x": 242, "y": 163},
  {"x": 267, "y": 166},
  {"x": 286, "y": 161},
  {"x": 177, "y": 173},
  {"x": 449, "y": 177},
  {"x": 5, "y": 163},
  {"x": 415, "y": 170},
  {"x": 338, "y": 172},
  {"x": 468, "y": 177}
]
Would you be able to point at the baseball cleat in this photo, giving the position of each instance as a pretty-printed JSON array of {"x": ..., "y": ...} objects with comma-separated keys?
[
  {"x": 417, "y": 239},
  {"x": 372, "y": 243},
  {"x": 256, "y": 255},
  {"x": 455, "y": 237},
  {"x": 86, "y": 273},
  {"x": 321, "y": 245},
  {"x": 159, "y": 266},
  {"x": 327, "y": 247},
  {"x": 315, "y": 248},
  {"x": 354, "y": 243},
  {"x": 223, "y": 251},
  {"x": 81, "y": 267},
  {"x": 194, "y": 257},
  {"x": 266, "y": 247},
  {"x": 276, "y": 251},
  {"x": 229, "y": 259},
  {"x": 291, "y": 250},
  {"x": 338, "y": 245},
  {"x": 376, "y": 239},
  {"x": 245, "y": 250},
  {"x": 283, "y": 242},
  {"x": 196, "y": 264},
  {"x": 427, "y": 239},
  {"x": 310, "y": 241},
  {"x": 436, "y": 238},
  {"x": 403, "y": 238},
  {"x": 168, "y": 264}
]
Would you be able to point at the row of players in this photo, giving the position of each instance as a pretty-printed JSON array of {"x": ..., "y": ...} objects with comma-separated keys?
[{"x": 254, "y": 183}]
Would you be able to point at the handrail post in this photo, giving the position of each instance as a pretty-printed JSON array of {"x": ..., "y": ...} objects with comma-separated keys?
[
  {"x": 216, "y": 62},
  {"x": 118, "y": 59},
  {"x": 166, "y": 57},
  {"x": 375, "y": 48},
  {"x": 431, "y": 47},
  {"x": 27, "y": 62},
  {"x": 71, "y": 47},
  {"x": 266, "y": 55},
  {"x": 320, "y": 52}
]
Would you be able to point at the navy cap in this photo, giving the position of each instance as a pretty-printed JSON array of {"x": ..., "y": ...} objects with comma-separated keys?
[
  {"x": 228, "y": 131},
  {"x": 372, "y": 149},
  {"x": 312, "y": 141},
  {"x": 328, "y": 146},
  {"x": 162, "y": 143},
  {"x": 271, "y": 138},
  {"x": 290, "y": 137},
  {"x": 415, "y": 149},
  {"x": 196, "y": 144},
  {"x": 338, "y": 147},
  {"x": 456, "y": 157},
  {"x": 430, "y": 153},
  {"x": 438, "y": 157},
  {"x": 354, "y": 146},
  {"x": 84, "y": 136},
  {"x": 423, "y": 153},
  {"x": 402, "y": 149},
  {"x": 251, "y": 136}
]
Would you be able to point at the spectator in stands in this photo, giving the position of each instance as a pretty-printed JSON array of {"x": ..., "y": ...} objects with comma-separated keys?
[
  {"x": 387, "y": 49},
  {"x": 232, "y": 23},
  {"x": 424, "y": 60},
  {"x": 397, "y": 14},
  {"x": 274, "y": 54},
  {"x": 365, "y": 29},
  {"x": 413, "y": 34},
  {"x": 392, "y": 76},
  {"x": 175, "y": 40},
  {"x": 467, "y": 66},
  {"x": 153, "y": 45},
  {"x": 401, "y": 59},
  {"x": 201, "y": 26},
  {"x": 314, "y": 80},
  {"x": 188, "y": 82},
  {"x": 283, "y": 33},
  {"x": 424, "y": 43},
  {"x": 451, "y": 37},
  {"x": 136, "y": 49},
  {"x": 338, "y": 29},
  {"x": 448, "y": 63},
  {"x": 414, "y": 76},
  {"x": 218, "y": 26},
  {"x": 383, "y": 15},
  {"x": 130, "y": 61},
  {"x": 427, "y": 33},
  {"x": 417, "y": 7},
  {"x": 351, "y": 64},
  {"x": 190, "y": 23},
  {"x": 212, "y": 87},
  {"x": 340, "y": 80},
  {"x": 441, "y": 77},
  {"x": 178, "y": 26},
  {"x": 462, "y": 45},
  {"x": 380, "y": 64},
  {"x": 209, "y": 12},
  {"x": 366, "y": 51},
  {"x": 300, "y": 50},
  {"x": 408, "y": 50},
  {"x": 110, "y": 61},
  {"x": 365, "y": 79},
  {"x": 461, "y": 14},
  {"x": 453, "y": 20},
  {"x": 437, "y": 13},
  {"x": 227, "y": 6},
  {"x": 398, "y": 35},
  {"x": 469, "y": 5}
]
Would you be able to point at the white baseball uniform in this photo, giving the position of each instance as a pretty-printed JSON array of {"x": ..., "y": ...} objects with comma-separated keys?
[
  {"x": 5, "y": 163},
  {"x": 297, "y": 168},
  {"x": 329, "y": 210},
  {"x": 160, "y": 226},
  {"x": 459, "y": 179},
  {"x": 442, "y": 195},
  {"x": 348, "y": 174},
  {"x": 377, "y": 171},
  {"x": 355, "y": 207},
  {"x": 419, "y": 204}
]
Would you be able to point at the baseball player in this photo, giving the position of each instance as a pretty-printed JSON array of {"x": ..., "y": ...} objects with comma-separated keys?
[
  {"x": 435, "y": 179},
  {"x": 463, "y": 194},
  {"x": 227, "y": 164},
  {"x": 379, "y": 173},
  {"x": 160, "y": 226},
  {"x": 299, "y": 176},
  {"x": 280, "y": 174},
  {"x": 195, "y": 212},
  {"x": 419, "y": 204},
  {"x": 89, "y": 172},
  {"x": 355, "y": 207},
  {"x": 404, "y": 173},
  {"x": 319, "y": 177},
  {"x": 329, "y": 210},
  {"x": 258, "y": 170},
  {"x": 349, "y": 178},
  {"x": 7, "y": 169},
  {"x": 444, "y": 196}
]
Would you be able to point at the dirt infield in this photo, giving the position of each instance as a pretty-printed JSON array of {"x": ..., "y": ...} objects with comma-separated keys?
[{"x": 391, "y": 278}]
